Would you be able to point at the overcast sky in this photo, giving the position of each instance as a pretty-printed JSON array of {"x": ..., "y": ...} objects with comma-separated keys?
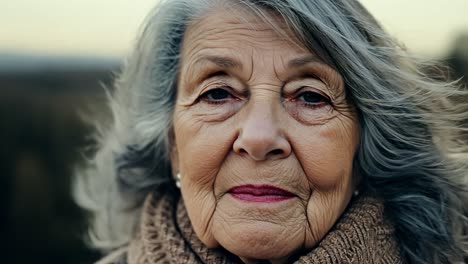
[{"x": 108, "y": 27}]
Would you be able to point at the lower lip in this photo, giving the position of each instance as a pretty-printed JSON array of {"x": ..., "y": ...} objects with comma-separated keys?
[
  {"x": 260, "y": 198},
  {"x": 260, "y": 193}
]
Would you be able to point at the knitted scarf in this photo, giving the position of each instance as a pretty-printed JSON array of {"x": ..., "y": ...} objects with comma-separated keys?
[{"x": 361, "y": 235}]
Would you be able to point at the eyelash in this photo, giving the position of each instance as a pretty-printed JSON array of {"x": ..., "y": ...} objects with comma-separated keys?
[
  {"x": 205, "y": 96},
  {"x": 314, "y": 105},
  {"x": 323, "y": 98}
]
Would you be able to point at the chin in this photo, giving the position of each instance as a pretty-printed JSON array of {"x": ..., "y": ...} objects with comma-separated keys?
[
  {"x": 270, "y": 255},
  {"x": 264, "y": 241}
]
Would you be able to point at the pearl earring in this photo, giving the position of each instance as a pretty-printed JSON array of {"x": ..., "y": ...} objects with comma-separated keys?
[
  {"x": 356, "y": 193},
  {"x": 177, "y": 180}
]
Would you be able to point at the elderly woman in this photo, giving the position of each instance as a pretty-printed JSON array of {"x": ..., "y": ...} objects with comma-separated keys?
[{"x": 279, "y": 131}]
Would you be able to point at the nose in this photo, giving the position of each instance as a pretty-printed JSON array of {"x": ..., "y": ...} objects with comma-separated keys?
[{"x": 260, "y": 135}]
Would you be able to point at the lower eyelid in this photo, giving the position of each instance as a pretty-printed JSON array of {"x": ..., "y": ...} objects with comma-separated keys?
[
  {"x": 295, "y": 102},
  {"x": 315, "y": 105},
  {"x": 218, "y": 102}
]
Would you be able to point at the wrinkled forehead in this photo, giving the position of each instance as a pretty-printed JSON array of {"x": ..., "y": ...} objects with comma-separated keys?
[
  {"x": 262, "y": 21},
  {"x": 238, "y": 38}
]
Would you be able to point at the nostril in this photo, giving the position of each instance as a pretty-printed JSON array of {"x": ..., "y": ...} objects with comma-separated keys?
[
  {"x": 261, "y": 148},
  {"x": 276, "y": 152},
  {"x": 242, "y": 151}
]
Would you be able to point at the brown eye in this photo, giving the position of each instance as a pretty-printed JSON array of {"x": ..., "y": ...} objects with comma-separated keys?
[
  {"x": 216, "y": 96},
  {"x": 312, "y": 98}
]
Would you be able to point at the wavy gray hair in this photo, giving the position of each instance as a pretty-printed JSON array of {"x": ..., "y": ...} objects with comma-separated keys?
[{"x": 408, "y": 154}]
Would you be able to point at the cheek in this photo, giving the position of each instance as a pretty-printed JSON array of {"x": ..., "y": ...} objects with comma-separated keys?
[
  {"x": 327, "y": 156},
  {"x": 327, "y": 160},
  {"x": 202, "y": 148},
  {"x": 323, "y": 210},
  {"x": 327, "y": 170}
]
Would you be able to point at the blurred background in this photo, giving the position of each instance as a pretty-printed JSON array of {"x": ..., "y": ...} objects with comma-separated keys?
[{"x": 55, "y": 58}]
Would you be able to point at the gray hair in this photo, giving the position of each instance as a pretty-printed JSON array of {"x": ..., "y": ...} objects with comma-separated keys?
[{"x": 408, "y": 154}]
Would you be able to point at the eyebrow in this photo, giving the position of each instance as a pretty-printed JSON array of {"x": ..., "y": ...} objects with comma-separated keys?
[
  {"x": 221, "y": 61},
  {"x": 299, "y": 62}
]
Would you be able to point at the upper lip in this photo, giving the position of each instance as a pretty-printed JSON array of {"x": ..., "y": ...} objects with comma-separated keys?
[{"x": 259, "y": 190}]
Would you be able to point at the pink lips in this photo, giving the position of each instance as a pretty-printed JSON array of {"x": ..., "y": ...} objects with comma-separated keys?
[{"x": 260, "y": 193}]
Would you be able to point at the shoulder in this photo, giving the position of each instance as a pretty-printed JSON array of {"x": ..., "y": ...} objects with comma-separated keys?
[{"x": 118, "y": 256}]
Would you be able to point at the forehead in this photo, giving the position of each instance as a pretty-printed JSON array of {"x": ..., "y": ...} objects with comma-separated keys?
[
  {"x": 240, "y": 27},
  {"x": 255, "y": 42}
]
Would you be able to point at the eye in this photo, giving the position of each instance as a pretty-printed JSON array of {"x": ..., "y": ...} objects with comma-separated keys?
[
  {"x": 216, "y": 96},
  {"x": 313, "y": 99}
]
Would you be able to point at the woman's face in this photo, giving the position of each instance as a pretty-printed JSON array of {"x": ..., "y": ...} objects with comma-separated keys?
[{"x": 264, "y": 139}]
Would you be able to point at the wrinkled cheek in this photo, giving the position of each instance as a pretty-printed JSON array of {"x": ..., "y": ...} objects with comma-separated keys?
[
  {"x": 328, "y": 163},
  {"x": 201, "y": 152},
  {"x": 200, "y": 207},
  {"x": 199, "y": 173},
  {"x": 329, "y": 176},
  {"x": 331, "y": 183},
  {"x": 323, "y": 211}
]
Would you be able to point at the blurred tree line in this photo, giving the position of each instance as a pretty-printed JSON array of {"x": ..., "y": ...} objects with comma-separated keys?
[
  {"x": 43, "y": 136},
  {"x": 42, "y": 139}
]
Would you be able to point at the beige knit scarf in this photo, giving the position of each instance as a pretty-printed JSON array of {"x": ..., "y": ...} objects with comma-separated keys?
[{"x": 166, "y": 236}]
